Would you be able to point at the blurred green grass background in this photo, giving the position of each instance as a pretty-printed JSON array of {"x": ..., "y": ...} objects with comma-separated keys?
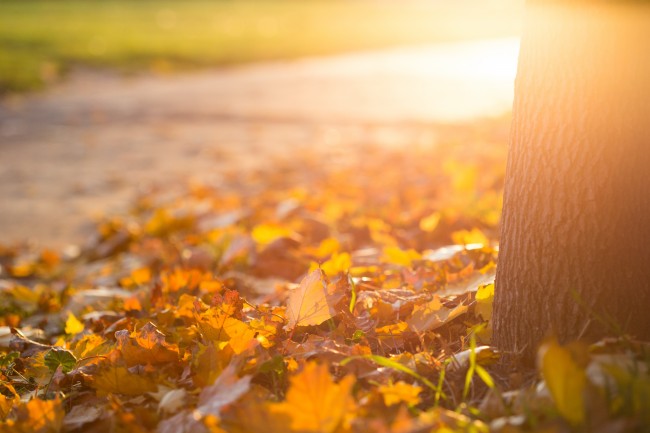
[{"x": 41, "y": 40}]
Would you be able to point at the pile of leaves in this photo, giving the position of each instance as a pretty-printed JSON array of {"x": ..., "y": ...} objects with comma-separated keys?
[{"x": 345, "y": 290}]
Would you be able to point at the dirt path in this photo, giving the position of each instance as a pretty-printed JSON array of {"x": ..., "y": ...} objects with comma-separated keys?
[{"x": 87, "y": 146}]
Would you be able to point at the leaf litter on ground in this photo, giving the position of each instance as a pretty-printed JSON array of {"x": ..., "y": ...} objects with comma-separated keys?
[{"x": 311, "y": 297}]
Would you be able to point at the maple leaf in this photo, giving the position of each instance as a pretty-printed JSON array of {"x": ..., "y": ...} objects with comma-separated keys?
[
  {"x": 147, "y": 346},
  {"x": 315, "y": 403},
  {"x": 241, "y": 335},
  {"x": 313, "y": 301}
]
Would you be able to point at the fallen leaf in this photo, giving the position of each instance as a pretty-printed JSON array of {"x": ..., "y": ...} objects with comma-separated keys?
[
  {"x": 470, "y": 237},
  {"x": 60, "y": 357},
  {"x": 313, "y": 301},
  {"x": 338, "y": 263},
  {"x": 73, "y": 325},
  {"x": 172, "y": 401},
  {"x": 484, "y": 298},
  {"x": 315, "y": 403},
  {"x": 146, "y": 346},
  {"x": 36, "y": 416},
  {"x": 430, "y": 222},
  {"x": 565, "y": 379},
  {"x": 81, "y": 415},
  {"x": 398, "y": 256},
  {"x": 118, "y": 380},
  {"x": 264, "y": 234},
  {"x": 432, "y": 315},
  {"x": 398, "y": 392},
  {"x": 227, "y": 389}
]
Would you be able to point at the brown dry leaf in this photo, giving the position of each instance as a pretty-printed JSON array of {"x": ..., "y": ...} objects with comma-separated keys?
[
  {"x": 227, "y": 389},
  {"x": 209, "y": 362},
  {"x": 81, "y": 415},
  {"x": 315, "y": 403},
  {"x": 433, "y": 315},
  {"x": 118, "y": 380},
  {"x": 313, "y": 301}
]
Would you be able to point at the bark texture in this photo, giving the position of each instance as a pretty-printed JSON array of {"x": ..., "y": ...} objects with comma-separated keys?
[{"x": 576, "y": 216}]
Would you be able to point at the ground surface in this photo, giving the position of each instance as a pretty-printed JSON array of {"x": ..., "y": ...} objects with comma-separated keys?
[{"x": 87, "y": 146}]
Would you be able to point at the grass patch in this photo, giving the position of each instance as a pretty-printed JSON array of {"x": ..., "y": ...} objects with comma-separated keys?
[{"x": 40, "y": 40}]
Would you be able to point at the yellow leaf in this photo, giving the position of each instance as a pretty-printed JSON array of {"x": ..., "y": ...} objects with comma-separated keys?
[
  {"x": 264, "y": 234},
  {"x": 312, "y": 302},
  {"x": 242, "y": 336},
  {"x": 484, "y": 298},
  {"x": 395, "y": 393},
  {"x": 429, "y": 223},
  {"x": 339, "y": 262},
  {"x": 314, "y": 402},
  {"x": 565, "y": 379},
  {"x": 6, "y": 402},
  {"x": 467, "y": 237},
  {"x": 326, "y": 248},
  {"x": 463, "y": 176},
  {"x": 73, "y": 325},
  {"x": 398, "y": 256},
  {"x": 90, "y": 345}
]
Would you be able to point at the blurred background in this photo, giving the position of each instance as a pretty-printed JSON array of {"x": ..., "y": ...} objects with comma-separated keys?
[
  {"x": 42, "y": 39},
  {"x": 102, "y": 100}
]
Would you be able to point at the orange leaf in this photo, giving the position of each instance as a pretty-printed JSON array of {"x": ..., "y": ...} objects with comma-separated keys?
[
  {"x": 147, "y": 346},
  {"x": 315, "y": 403},
  {"x": 313, "y": 301},
  {"x": 36, "y": 416}
]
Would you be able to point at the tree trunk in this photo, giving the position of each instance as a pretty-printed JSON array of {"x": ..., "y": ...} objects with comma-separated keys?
[{"x": 576, "y": 214}]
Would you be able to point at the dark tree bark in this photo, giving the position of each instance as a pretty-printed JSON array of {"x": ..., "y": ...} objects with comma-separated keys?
[{"x": 576, "y": 215}]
